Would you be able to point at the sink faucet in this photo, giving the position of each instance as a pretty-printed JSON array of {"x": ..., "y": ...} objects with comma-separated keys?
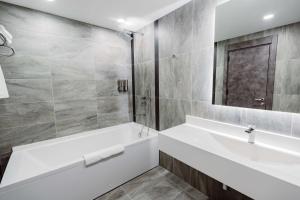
[{"x": 251, "y": 133}]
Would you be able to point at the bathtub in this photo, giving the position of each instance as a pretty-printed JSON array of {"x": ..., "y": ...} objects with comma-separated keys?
[{"x": 55, "y": 169}]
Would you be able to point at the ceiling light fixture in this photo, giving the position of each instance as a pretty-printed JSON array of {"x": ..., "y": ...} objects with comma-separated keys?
[
  {"x": 50, "y": 0},
  {"x": 268, "y": 17},
  {"x": 124, "y": 22}
]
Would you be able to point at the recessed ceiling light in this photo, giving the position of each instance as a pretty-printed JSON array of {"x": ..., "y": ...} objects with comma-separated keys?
[
  {"x": 268, "y": 17},
  {"x": 50, "y": 0}
]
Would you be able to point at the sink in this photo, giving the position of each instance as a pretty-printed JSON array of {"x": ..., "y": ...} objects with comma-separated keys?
[{"x": 266, "y": 170}]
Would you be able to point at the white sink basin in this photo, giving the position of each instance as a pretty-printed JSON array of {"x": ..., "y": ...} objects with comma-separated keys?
[{"x": 267, "y": 170}]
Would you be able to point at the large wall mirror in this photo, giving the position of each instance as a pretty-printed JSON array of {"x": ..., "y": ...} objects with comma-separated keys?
[{"x": 257, "y": 54}]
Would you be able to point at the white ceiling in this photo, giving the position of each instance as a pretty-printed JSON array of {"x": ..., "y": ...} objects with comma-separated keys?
[
  {"x": 241, "y": 17},
  {"x": 105, "y": 13}
]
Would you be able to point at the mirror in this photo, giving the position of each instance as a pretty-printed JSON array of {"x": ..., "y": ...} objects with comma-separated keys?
[{"x": 257, "y": 54}]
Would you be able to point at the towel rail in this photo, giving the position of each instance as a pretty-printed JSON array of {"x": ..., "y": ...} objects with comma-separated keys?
[{"x": 8, "y": 51}]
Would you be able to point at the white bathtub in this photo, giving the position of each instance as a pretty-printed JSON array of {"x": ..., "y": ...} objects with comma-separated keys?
[{"x": 55, "y": 169}]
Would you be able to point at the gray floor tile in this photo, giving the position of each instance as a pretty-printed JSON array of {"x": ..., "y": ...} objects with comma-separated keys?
[{"x": 157, "y": 184}]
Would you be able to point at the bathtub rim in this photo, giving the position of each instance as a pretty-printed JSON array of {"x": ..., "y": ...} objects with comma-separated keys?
[{"x": 74, "y": 163}]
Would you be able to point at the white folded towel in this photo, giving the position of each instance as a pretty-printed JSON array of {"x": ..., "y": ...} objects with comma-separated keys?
[
  {"x": 97, "y": 156},
  {"x": 6, "y": 34},
  {"x": 3, "y": 88}
]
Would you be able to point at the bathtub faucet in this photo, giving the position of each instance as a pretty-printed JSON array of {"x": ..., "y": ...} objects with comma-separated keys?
[{"x": 251, "y": 133}]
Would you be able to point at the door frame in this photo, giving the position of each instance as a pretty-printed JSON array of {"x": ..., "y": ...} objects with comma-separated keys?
[{"x": 269, "y": 40}]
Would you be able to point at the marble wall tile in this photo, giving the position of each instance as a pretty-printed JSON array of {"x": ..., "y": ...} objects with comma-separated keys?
[
  {"x": 113, "y": 104},
  {"x": 175, "y": 79},
  {"x": 23, "y": 18},
  {"x": 28, "y": 91},
  {"x": 278, "y": 122},
  {"x": 182, "y": 73},
  {"x": 166, "y": 27},
  {"x": 182, "y": 42},
  {"x": 112, "y": 119},
  {"x": 228, "y": 114},
  {"x": 65, "y": 90},
  {"x": 144, "y": 78},
  {"x": 167, "y": 78},
  {"x": 202, "y": 74},
  {"x": 15, "y": 115},
  {"x": 34, "y": 133},
  {"x": 71, "y": 126},
  {"x": 144, "y": 44},
  {"x": 72, "y": 69},
  {"x": 203, "y": 109},
  {"x": 292, "y": 40},
  {"x": 28, "y": 43},
  {"x": 173, "y": 112},
  {"x": 59, "y": 76},
  {"x": 203, "y": 23},
  {"x": 107, "y": 88},
  {"x": 26, "y": 67},
  {"x": 75, "y": 109}
]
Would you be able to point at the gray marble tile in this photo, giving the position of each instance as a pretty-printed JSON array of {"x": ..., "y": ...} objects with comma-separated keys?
[
  {"x": 202, "y": 74},
  {"x": 166, "y": 26},
  {"x": 28, "y": 91},
  {"x": 182, "y": 41},
  {"x": 203, "y": 109},
  {"x": 166, "y": 78},
  {"x": 228, "y": 114},
  {"x": 144, "y": 78},
  {"x": 26, "y": 67},
  {"x": 109, "y": 37},
  {"x": 286, "y": 103},
  {"x": 111, "y": 71},
  {"x": 66, "y": 90},
  {"x": 69, "y": 48},
  {"x": 292, "y": 50},
  {"x": 113, "y": 104},
  {"x": 28, "y": 43},
  {"x": 75, "y": 109},
  {"x": 278, "y": 122},
  {"x": 105, "y": 52},
  {"x": 292, "y": 82},
  {"x": 173, "y": 112},
  {"x": 175, "y": 77},
  {"x": 182, "y": 72},
  {"x": 106, "y": 88},
  {"x": 296, "y": 125},
  {"x": 23, "y": 18},
  {"x": 73, "y": 69},
  {"x": 144, "y": 44},
  {"x": 35, "y": 133},
  {"x": 203, "y": 23},
  {"x": 59, "y": 26},
  {"x": 15, "y": 115},
  {"x": 116, "y": 194},
  {"x": 72, "y": 126},
  {"x": 112, "y": 119}
]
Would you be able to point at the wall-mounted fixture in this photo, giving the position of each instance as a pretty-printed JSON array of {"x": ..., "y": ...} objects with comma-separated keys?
[{"x": 122, "y": 85}]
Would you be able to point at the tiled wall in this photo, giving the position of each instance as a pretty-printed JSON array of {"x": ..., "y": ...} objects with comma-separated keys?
[
  {"x": 186, "y": 45},
  {"x": 63, "y": 78}
]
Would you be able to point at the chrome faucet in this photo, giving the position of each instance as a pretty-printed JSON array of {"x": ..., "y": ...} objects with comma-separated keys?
[{"x": 251, "y": 132}]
